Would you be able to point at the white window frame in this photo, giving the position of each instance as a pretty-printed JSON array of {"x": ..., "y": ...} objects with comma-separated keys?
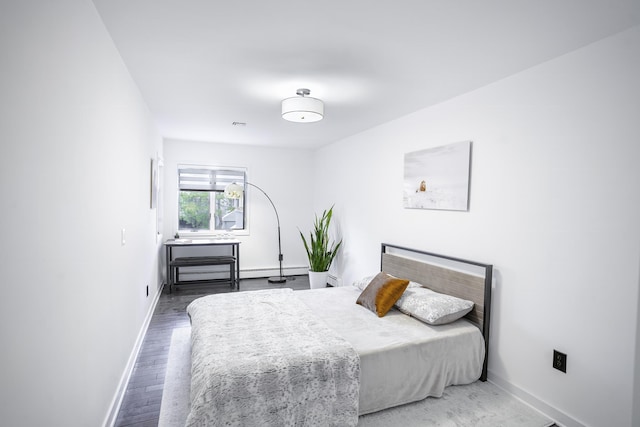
[{"x": 212, "y": 179}]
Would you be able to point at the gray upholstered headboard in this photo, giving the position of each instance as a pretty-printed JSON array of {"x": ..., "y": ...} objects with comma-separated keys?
[{"x": 461, "y": 278}]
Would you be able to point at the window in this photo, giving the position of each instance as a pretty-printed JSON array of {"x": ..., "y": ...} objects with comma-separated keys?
[{"x": 202, "y": 206}]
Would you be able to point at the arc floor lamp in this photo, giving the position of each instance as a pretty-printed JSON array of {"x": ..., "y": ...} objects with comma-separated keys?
[{"x": 235, "y": 191}]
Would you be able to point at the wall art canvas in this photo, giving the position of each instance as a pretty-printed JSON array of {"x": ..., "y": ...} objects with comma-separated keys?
[{"x": 438, "y": 178}]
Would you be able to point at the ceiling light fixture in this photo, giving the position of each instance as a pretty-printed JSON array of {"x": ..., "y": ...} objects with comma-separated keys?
[{"x": 302, "y": 108}]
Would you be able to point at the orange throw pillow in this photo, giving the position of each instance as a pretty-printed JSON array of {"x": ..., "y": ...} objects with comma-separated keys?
[{"x": 383, "y": 291}]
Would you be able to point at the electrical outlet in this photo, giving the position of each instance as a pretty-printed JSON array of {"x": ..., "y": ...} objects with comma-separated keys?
[{"x": 560, "y": 361}]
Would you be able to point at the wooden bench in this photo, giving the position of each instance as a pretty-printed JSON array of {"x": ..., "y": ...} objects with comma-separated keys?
[{"x": 202, "y": 261}]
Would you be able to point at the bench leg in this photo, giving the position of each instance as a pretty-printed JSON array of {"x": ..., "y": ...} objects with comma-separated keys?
[{"x": 171, "y": 279}]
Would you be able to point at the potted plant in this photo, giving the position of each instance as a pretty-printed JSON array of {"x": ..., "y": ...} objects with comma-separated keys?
[{"x": 320, "y": 250}]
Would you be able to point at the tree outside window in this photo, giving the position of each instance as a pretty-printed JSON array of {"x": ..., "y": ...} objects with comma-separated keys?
[{"x": 195, "y": 212}]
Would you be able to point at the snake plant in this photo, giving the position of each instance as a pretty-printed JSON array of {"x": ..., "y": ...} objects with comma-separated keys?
[{"x": 319, "y": 249}]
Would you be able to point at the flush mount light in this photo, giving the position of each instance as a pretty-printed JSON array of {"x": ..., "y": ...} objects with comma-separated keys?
[{"x": 302, "y": 108}]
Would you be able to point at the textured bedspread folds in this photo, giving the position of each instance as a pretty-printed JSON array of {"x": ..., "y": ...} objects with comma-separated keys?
[{"x": 284, "y": 366}]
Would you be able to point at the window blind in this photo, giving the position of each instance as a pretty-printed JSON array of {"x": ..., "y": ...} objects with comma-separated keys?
[{"x": 199, "y": 179}]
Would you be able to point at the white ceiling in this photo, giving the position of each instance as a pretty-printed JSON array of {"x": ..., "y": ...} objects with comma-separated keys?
[{"x": 203, "y": 64}]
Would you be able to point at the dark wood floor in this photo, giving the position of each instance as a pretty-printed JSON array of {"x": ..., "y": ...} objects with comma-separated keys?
[{"x": 141, "y": 404}]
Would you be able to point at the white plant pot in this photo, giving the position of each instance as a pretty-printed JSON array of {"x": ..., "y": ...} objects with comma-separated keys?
[{"x": 318, "y": 279}]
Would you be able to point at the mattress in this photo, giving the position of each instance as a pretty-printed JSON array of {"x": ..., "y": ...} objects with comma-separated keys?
[{"x": 402, "y": 360}]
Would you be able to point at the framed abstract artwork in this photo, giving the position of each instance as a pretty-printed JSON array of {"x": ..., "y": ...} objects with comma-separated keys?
[{"x": 438, "y": 178}]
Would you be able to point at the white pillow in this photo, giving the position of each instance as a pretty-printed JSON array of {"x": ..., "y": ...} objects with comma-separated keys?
[
  {"x": 432, "y": 307},
  {"x": 364, "y": 282}
]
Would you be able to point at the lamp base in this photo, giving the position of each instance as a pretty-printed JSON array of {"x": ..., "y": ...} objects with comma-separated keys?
[{"x": 277, "y": 279}]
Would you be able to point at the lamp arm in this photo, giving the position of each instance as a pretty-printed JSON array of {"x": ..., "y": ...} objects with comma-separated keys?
[
  {"x": 268, "y": 198},
  {"x": 277, "y": 219}
]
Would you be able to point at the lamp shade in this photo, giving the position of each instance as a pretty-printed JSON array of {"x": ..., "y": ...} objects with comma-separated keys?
[
  {"x": 302, "y": 109},
  {"x": 233, "y": 191}
]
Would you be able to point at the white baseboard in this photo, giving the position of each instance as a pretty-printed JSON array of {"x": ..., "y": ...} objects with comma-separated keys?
[
  {"x": 116, "y": 402},
  {"x": 290, "y": 271},
  {"x": 269, "y": 272},
  {"x": 560, "y": 418}
]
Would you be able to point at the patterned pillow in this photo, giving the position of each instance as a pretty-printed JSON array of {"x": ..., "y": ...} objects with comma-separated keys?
[
  {"x": 383, "y": 291},
  {"x": 432, "y": 307},
  {"x": 364, "y": 282}
]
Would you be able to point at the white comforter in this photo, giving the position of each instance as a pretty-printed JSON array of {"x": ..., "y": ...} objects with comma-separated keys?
[
  {"x": 284, "y": 366},
  {"x": 402, "y": 360}
]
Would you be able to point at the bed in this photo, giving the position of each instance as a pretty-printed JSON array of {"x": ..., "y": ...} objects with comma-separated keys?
[{"x": 315, "y": 357}]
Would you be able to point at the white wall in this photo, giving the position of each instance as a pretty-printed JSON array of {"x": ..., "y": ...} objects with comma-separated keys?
[
  {"x": 76, "y": 142},
  {"x": 554, "y": 206},
  {"x": 284, "y": 174},
  {"x": 636, "y": 392}
]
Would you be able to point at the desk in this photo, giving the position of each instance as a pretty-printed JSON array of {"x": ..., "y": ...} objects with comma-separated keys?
[{"x": 186, "y": 243}]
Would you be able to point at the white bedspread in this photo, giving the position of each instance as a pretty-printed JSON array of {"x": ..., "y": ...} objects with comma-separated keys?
[
  {"x": 263, "y": 359},
  {"x": 402, "y": 360}
]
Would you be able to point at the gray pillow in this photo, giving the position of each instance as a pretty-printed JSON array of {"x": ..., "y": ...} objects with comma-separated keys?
[{"x": 432, "y": 307}]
